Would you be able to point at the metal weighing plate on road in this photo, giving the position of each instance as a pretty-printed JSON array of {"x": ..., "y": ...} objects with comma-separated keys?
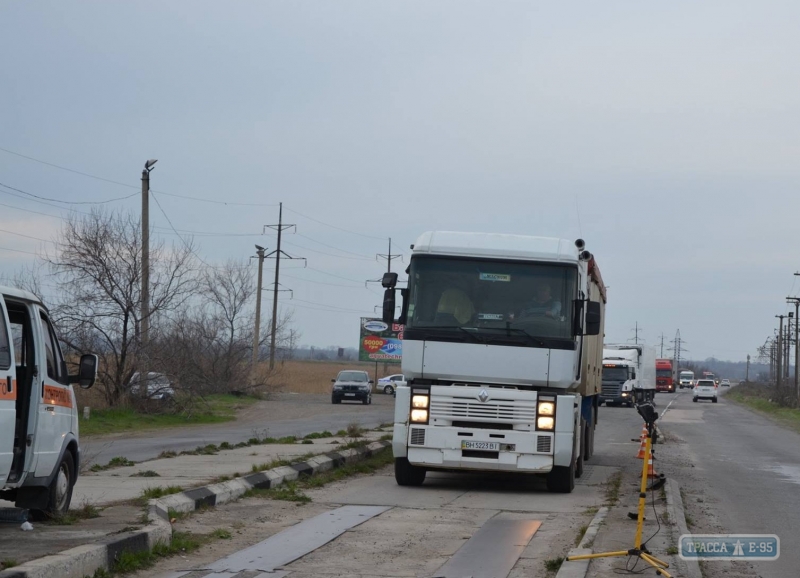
[
  {"x": 492, "y": 551},
  {"x": 290, "y": 544}
]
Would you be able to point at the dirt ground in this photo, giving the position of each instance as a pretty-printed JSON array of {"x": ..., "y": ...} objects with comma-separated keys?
[{"x": 295, "y": 376}]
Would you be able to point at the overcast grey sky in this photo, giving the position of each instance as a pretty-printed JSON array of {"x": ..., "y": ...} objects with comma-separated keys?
[{"x": 666, "y": 136}]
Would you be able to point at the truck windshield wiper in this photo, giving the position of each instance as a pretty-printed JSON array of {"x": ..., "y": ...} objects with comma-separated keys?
[
  {"x": 476, "y": 337},
  {"x": 517, "y": 331}
]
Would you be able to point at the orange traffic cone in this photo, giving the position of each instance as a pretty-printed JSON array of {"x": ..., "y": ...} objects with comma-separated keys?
[
  {"x": 642, "y": 443},
  {"x": 651, "y": 472}
]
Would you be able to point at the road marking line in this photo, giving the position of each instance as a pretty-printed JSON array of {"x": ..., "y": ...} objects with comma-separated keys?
[
  {"x": 492, "y": 551},
  {"x": 666, "y": 409}
]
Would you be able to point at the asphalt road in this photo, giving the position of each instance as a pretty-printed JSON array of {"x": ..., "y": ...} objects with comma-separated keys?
[
  {"x": 742, "y": 469},
  {"x": 298, "y": 415},
  {"x": 438, "y": 529}
]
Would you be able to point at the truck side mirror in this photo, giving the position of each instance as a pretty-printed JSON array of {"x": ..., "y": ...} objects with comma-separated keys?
[
  {"x": 87, "y": 371},
  {"x": 593, "y": 318},
  {"x": 388, "y": 306}
]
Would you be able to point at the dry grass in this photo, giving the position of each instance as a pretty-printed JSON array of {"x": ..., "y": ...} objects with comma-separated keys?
[{"x": 305, "y": 376}]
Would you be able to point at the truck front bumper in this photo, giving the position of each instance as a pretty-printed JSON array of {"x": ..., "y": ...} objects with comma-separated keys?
[{"x": 441, "y": 447}]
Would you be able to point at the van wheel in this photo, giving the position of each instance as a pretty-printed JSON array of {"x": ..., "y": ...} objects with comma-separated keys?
[
  {"x": 694, "y": 399},
  {"x": 714, "y": 400},
  {"x": 60, "y": 490},
  {"x": 407, "y": 475}
]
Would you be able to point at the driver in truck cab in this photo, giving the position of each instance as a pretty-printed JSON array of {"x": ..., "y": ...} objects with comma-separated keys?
[{"x": 542, "y": 303}]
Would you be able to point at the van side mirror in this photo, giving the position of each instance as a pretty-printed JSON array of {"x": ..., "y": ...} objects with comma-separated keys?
[
  {"x": 87, "y": 371},
  {"x": 593, "y": 318}
]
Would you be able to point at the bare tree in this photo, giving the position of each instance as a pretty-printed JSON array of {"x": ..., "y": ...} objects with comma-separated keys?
[{"x": 97, "y": 265}]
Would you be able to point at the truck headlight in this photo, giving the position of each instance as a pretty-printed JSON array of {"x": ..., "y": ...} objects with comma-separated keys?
[
  {"x": 419, "y": 402},
  {"x": 419, "y": 416},
  {"x": 546, "y": 408},
  {"x": 545, "y": 423},
  {"x": 624, "y": 395}
]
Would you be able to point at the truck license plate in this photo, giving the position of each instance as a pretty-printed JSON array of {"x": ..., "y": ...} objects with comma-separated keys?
[{"x": 484, "y": 446}]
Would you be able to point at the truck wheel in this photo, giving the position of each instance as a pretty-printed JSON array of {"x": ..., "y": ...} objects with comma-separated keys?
[
  {"x": 588, "y": 444},
  {"x": 406, "y": 474},
  {"x": 60, "y": 490},
  {"x": 561, "y": 479},
  {"x": 579, "y": 461}
]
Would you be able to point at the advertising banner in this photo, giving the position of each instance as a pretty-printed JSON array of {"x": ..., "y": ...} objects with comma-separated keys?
[{"x": 380, "y": 341}]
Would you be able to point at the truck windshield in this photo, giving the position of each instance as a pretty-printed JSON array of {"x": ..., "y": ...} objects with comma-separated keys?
[
  {"x": 663, "y": 373},
  {"x": 493, "y": 299},
  {"x": 615, "y": 373}
]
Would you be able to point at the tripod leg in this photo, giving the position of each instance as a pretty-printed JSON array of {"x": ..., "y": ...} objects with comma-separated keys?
[
  {"x": 659, "y": 569},
  {"x": 643, "y": 490}
]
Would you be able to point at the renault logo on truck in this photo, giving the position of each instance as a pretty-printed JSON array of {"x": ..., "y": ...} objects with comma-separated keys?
[{"x": 483, "y": 396}]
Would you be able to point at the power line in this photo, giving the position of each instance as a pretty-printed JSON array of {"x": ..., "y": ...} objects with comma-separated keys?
[
  {"x": 327, "y": 254},
  {"x": 333, "y": 247},
  {"x": 42, "y": 202},
  {"x": 91, "y": 176},
  {"x": 27, "y": 236},
  {"x": 187, "y": 245},
  {"x": 19, "y": 251},
  {"x": 32, "y": 211},
  {"x": 68, "y": 202},
  {"x": 334, "y": 226}
]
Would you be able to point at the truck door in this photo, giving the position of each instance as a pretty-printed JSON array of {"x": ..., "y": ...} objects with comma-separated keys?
[
  {"x": 55, "y": 401},
  {"x": 8, "y": 396}
]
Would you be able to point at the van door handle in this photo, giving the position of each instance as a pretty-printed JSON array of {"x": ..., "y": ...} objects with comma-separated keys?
[{"x": 10, "y": 388}]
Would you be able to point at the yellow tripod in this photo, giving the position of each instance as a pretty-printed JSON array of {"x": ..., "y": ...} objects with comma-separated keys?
[{"x": 637, "y": 549}]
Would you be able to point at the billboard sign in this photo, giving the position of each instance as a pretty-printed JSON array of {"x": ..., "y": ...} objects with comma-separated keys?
[{"x": 380, "y": 341}]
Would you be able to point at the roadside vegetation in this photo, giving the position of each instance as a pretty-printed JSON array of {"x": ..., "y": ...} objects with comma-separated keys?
[
  {"x": 217, "y": 408},
  {"x": 779, "y": 404}
]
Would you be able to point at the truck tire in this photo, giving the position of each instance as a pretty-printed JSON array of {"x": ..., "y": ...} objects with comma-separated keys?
[
  {"x": 581, "y": 455},
  {"x": 561, "y": 479},
  {"x": 59, "y": 491},
  {"x": 588, "y": 443},
  {"x": 407, "y": 475}
]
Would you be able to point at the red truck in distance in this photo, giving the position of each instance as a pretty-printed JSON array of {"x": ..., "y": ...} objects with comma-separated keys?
[{"x": 664, "y": 376}]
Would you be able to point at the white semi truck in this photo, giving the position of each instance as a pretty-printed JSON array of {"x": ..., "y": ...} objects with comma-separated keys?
[
  {"x": 502, "y": 354},
  {"x": 629, "y": 374},
  {"x": 39, "y": 449}
]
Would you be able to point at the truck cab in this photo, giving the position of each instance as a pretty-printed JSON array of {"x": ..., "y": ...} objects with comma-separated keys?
[
  {"x": 501, "y": 353},
  {"x": 39, "y": 449}
]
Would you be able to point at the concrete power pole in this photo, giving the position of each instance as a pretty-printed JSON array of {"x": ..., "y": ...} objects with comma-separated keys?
[
  {"x": 779, "y": 352},
  {"x": 257, "y": 329},
  {"x": 747, "y": 370},
  {"x": 277, "y": 253},
  {"x": 144, "y": 335}
]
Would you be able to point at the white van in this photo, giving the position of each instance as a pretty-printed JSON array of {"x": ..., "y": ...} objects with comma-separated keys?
[{"x": 39, "y": 450}]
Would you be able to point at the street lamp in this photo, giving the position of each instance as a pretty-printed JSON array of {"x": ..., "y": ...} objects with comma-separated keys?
[{"x": 145, "y": 308}]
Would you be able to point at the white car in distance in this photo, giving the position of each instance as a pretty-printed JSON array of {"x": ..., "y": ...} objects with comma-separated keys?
[
  {"x": 388, "y": 384},
  {"x": 705, "y": 389}
]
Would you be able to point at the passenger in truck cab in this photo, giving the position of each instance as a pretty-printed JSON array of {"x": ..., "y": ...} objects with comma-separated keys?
[{"x": 542, "y": 303}]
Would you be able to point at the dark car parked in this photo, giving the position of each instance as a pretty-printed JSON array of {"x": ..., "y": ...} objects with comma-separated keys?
[{"x": 352, "y": 385}]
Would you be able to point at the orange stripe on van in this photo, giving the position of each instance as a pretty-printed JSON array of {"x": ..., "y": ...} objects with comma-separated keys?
[
  {"x": 6, "y": 395},
  {"x": 57, "y": 396}
]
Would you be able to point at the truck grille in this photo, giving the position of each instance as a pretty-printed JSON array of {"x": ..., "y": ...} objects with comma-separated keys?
[
  {"x": 611, "y": 390},
  {"x": 417, "y": 436},
  {"x": 470, "y": 409}
]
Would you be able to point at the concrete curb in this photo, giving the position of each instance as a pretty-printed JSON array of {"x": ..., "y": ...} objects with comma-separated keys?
[
  {"x": 579, "y": 568},
  {"x": 688, "y": 568},
  {"x": 83, "y": 561}
]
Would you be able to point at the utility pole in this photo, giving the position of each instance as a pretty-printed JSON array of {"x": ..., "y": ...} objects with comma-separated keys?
[
  {"x": 636, "y": 334},
  {"x": 677, "y": 348},
  {"x": 796, "y": 302},
  {"x": 787, "y": 346},
  {"x": 747, "y": 370},
  {"x": 144, "y": 331},
  {"x": 389, "y": 257},
  {"x": 257, "y": 330},
  {"x": 662, "y": 345},
  {"x": 280, "y": 227},
  {"x": 779, "y": 353}
]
